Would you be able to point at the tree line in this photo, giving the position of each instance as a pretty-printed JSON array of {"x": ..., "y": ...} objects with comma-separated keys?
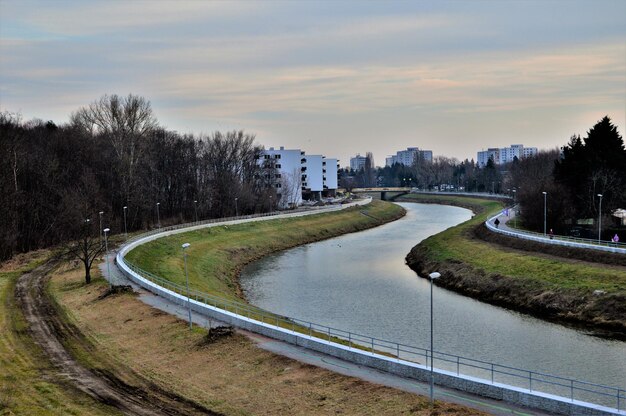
[
  {"x": 112, "y": 164},
  {"x": 573, "y": 178}
]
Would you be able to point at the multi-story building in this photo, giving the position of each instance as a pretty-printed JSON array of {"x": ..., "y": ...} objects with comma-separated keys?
[
  {"x": 504, "y": 155},
  {"x": 330, "y": 168},
  {"x": 297, "y": 176},
  {"x": 358, "y": 162},
  {"x": 409, "y": 156}
]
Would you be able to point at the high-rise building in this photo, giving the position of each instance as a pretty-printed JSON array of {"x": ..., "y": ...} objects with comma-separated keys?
[
  {"x": 504, "y": 155},
  {"x": 358, "y": 162},
  {"x": 409, "y": 156}
]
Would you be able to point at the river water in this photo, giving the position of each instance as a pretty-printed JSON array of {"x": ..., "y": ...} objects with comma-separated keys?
[{"x": 359, "y": 282}]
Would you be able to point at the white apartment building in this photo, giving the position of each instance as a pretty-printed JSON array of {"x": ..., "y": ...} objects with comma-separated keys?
[
  {"x": 358, "y": 162},
  {"x": 504, "y": 155},
  {"x": 407, "y": 157},
  {"x": 330, "y": 168},
  {"x": 313, "y": 176},
  {"x": 294, "y": 175}
]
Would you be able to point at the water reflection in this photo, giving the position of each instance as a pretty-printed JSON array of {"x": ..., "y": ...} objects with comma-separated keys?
[{"x": 359, "y": 282}]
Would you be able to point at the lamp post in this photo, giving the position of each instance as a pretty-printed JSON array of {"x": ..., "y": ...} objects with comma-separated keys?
[
  {"x": 125, "y": 229},
  {"x": 545, "y": 212},
  {"x": 184, "y": 246},
  {"x": 236, "y": 209},
  {"x": 600, "y": 219},
  {"x": 158, "y": 216},
  {"x": 100, "y": 215},
  {"x": 433, "y": 276},
  {"x": 514, "y": 210},
  {"x": 195, "y": 208},
  {"x": 271, "y": 207},
  {"x": 106, "y": 248}
]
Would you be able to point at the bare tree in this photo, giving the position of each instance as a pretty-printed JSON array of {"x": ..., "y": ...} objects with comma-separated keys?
[
  {"x": 125, "y": 122},
  {"x": 86, "y": 248},
  {"x": 291, "y": 188}
]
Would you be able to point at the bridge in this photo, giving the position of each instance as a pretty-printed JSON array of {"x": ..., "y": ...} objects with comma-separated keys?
[{"x": 386, "y": 194}]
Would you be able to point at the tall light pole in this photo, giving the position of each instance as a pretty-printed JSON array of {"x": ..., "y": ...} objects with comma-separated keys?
[
  {"x": 106, "y": 248},
  {"x": 125, "y": 229},
  {"x": 236, "y": 209},
  {"x": 545, "y": 212},
  {"x": 514, "y": 211},
  {"x": 100, "y": 215},
  {"x": 158, "y": 216},
  {"x": 195, "y": 208},
  {"x": 600, "y": 218},
  {"x": 271, "y": 207},
  {"x": 184, "y": 246},
  {"x": 433, "y": 276}
]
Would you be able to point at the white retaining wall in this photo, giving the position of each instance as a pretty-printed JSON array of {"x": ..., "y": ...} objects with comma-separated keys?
[{"x": 415, "y": 371}]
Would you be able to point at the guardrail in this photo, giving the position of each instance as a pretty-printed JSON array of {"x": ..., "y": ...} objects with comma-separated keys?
[
  {"x": 558, "y": 239},
  {"x": 611, "y": 399}
]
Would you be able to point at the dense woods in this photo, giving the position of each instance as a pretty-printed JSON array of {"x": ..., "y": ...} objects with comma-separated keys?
[{"x": 113, "y": 154}]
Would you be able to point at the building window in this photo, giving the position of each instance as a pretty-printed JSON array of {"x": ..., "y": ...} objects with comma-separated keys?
[
  {"x": 276, "y": 156},
  {"x": 278, "y": 166},
  {"x": 278, "y": 175},
  {"x": 266, "y": 156},
  {"x": 278, "y": 185}
]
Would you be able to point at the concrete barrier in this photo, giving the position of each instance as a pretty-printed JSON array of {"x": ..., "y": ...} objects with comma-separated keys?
[{"x": 507, "y": 393}]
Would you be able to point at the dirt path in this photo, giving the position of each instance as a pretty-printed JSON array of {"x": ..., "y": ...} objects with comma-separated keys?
[{"x": 49, "y": 330}]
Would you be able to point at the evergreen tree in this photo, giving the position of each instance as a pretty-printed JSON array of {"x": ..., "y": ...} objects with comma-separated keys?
[{"x": 592, "y": 166}]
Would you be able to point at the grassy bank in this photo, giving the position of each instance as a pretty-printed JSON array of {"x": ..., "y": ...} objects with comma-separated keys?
[
  {"x": 217, "y": 254},
  {"x": 551, "y": 286},
  {"x": 27, "y": 383},
  {"x": 230, "y": 375}
]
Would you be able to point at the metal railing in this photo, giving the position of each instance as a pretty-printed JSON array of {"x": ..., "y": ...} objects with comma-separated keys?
[
  {"x": 497, "y": 374},
  {"x": 592, "y": 244}
]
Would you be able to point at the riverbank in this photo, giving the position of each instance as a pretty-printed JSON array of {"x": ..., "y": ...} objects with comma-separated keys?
[
  {"x": 151, "y": 360},
  {"x": 216, "y": 255},
  {"x": 555, "y": 286}
]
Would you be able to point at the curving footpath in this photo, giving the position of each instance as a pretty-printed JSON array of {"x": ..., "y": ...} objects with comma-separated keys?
[
  {"x": 378, "y": 354},
  {"x": 557, "y": 240}
]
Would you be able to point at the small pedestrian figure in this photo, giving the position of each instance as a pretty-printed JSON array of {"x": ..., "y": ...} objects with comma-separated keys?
[
  {"x": 551, "y": 234},
  {"x": 616, "y": 239},
  {"x": 497, "y": 222}
]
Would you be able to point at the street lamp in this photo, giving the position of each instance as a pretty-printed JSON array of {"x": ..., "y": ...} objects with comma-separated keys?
[
  {"x": 236, "y": 209},
  {"x": 545, "y": 211},
  {"x": 158, "y": 216},
  {"x": 184, "y": 246},
  {"x": 514, "y": 211},
  {"x": 100, "y": 215},
  {"x": 433, "y": 276},
  {"x": 125, "y": 229},
  {"x": 271, "y": 204},
  {"x": 106, "y": 248},
  {"x": 600, "y": 218},
  {"x": 195, "y": 207}
]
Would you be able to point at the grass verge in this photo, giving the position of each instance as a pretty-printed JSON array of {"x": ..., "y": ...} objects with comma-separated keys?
[
  {"x": 217, "y": 254},
  {"x": 549, "y": 286},
  {"x": 229, "y": 375},
  {"x": 28, "y": 385}
]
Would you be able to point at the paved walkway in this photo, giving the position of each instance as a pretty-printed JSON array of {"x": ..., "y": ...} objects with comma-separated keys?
[
  {"x": 508, "y": 216},
  {"x": 347, "y": 368}
]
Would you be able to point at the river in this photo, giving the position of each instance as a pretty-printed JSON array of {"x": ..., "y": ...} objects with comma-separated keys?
[{"x": 359, "y": 282}]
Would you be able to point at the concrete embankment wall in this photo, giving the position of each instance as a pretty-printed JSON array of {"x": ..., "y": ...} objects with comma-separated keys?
[{"x": 511, "y": 394}]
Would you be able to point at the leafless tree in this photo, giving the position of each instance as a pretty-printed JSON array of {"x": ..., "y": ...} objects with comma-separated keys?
[{"x": 126, "y": 122}]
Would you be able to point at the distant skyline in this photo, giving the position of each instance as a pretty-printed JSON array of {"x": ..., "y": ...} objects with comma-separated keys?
[{"x": 333, "y": 78}]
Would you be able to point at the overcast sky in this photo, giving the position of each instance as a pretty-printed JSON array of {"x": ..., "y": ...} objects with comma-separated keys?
[{"x": 332, "y": 78}]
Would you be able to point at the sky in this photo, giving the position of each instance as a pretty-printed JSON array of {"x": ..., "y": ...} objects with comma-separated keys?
[{"x": 330, "y": 77}]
